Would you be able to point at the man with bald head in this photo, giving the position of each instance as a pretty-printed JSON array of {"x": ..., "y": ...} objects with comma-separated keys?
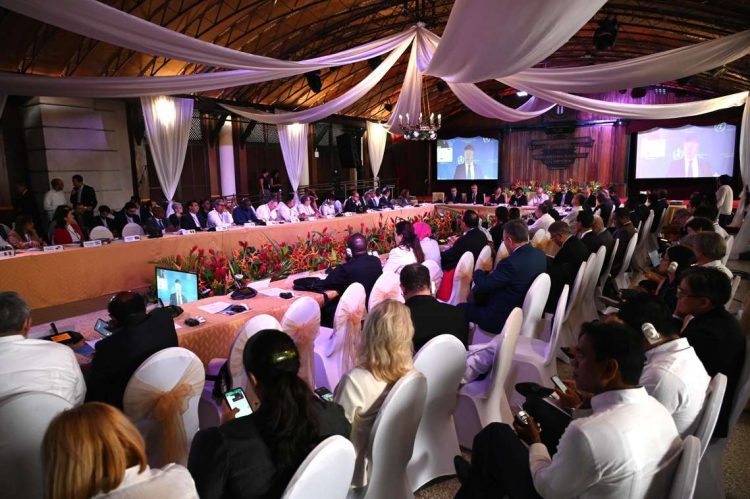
[{"x": 358, "y": 267}]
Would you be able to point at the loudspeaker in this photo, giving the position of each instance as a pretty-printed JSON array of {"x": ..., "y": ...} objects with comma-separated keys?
[{"x": 349, "y": 150}]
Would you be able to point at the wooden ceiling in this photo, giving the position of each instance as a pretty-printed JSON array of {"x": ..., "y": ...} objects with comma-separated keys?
[{"x": 299, "y": 29}]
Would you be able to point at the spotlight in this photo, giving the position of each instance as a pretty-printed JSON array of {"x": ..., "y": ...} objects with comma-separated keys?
[
  {"x": 314, "y": 81},
  {"x": 606, "y": 34},
  {"x": 441, "y": 86},
  {"x": 374, "y": 62},
  {"x": 388, "y": 106},
  {"x": 638, "y": 93},
  {"x": 660, "y": 90},
  {"x": 521, "y": 93}
]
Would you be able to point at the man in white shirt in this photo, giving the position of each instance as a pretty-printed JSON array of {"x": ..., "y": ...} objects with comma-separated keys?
[
  {"x": 543, "y": 219},
  {"x": 285, "y": 209},
  {"x": 28, "y": 365},
  {"x": 219, "y": 216},
  {"x": 709, "y": 249},
  {"x": 539, "y": 198},
  {"x": 724, "y": 200},
  {"x": 622, "y": 449},
  {"x": 267, "y": 212},
  {"x": 54, "y": 197},
  {"x": 578, "y": 201}
]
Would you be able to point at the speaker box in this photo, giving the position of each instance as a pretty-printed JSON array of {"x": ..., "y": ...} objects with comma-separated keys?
[{"x": 349, "y": 150}]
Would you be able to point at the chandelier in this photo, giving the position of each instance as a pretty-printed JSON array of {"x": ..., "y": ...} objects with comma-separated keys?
[{"x": 424, "y": 128}]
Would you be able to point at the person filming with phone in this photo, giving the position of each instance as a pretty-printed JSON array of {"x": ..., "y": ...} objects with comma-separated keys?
[
  {"x": 620, "y": 449},
  {"x": 256, "y": 454}
]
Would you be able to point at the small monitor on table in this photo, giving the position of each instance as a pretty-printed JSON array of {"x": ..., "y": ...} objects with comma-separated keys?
[{"x": 174, "y": 287}]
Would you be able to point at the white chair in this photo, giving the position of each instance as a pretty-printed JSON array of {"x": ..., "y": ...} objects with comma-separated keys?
[
  {"x": 736, "y": 281},
  {"x": 100, "y": 232},
  {"x": 326, "y": 472},
  {"x": 711, "y": 408},
  {"x": 442, "y": 361},
  {"x": 640, "y": 257},
  {"x": 483, "y": 402},
  {"x": 335, "y": 348},
  {"x": 132, "y": 229},
  {"x": 209, "y": 409},
  {"x": 171, "y": 380},
  {"x": 462, "y": 279},
  {"x": 533, "y": 305},
  {"x": 588, "y": 301},
  {"x": 534, "y": 359},
  {"x": 604, "y": 277},
  {"x": 386, "y": 287},
  {"x": 569, "y": 334},
  {"x": 730, "y": 245},
  {"x": 540, "y": 237},
  {"x": 436, "y": 274},
  {"x": 24, "y": 419},
  {"x": 622, "y": 279},
  {"x": 484, "y": 260},
  {"x": 392, "y": 440},
  {"x": 577, "y": 315},
  {"x": 301, "y": 322},
  {"x": 683, "y": 483},
  {"x": 502, "y": 252},
  {"x": 710, "y": 476}
]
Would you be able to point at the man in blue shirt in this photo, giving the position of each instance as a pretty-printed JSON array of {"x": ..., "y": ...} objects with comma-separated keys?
[{"x": 245, "y": 213}]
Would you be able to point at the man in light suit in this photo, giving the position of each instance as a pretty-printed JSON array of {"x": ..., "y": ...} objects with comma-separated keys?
[
  {"x": 690, "y": 165},
  {"x": 468, "y": 170}
]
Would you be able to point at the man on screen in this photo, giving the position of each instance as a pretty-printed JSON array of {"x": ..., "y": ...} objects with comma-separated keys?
[
  {"x": 177, "y": 298},
  {"x": 468, "y": 170},
  {"x": 690, "y": 165}
]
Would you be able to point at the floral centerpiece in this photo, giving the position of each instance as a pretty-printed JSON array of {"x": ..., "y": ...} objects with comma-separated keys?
[{"x": 573, "y": 185}]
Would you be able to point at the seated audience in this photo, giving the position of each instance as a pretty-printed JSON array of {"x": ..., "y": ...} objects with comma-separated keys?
[
  {"x": 498, "y": 292},
  {"x": 128, "y": 215},
  {"x": 577, "y": 205},
  {"x": 543, "y": 219},
  {"x": 407, "y": 249},
  {"x": 552, "y": 210},
  {"x": 105, "y": 219},
  {"x": 359, "y": 267},
  {"x": 624, "y": 231},
  {"x": 601, "y": 455},
  {"x": 498, "y": 197},
  {"x": 430, "y": 247},
  {"x": 147, "y": 210},
  {"x": 67, "y": 230},
  {"x": 675, "y": 229},
  {"x": 255, "y": 456},
  {"x": 603, "y": 207},
  {"x": 710, "y": 212},
  {"x": 474, "y": 196},
  {"x": 136, "y": 336},
  {"x": 590, "y": 197},
  {"x": 206, "y": 205},
  {"x": 305, "y": 208},
  {"x": 518, "y": 198},
  {"x": 472, "y": 240},
  {"x": 514, "y": 213},
  {"x": 95, "y": 451},
  {"x": 429, "y": 317},
  {"x": 564, "y": 197},
  {"x": 563, "y": 268},
  {"x": 584, "y": 229},
  {"x": 385, "y": 200},
  {"x": 385, "y": 355},
  {"x": 354, "y": 204},
  {"x": 371, "y": 202},
  {"x": 709, "y": 249},
  {"x": 405, "y": 198},
  {"x": 605, "y": 236},
  {"x": 673, "y": 374},
  {"x": 698, "y": 224},
  {"x": 659, "y": 203},
  {"x": 23, "y": 235},
  {"x": 177, "y": 213},
  {"x": 453, "y": 196},
  {"x": 158, "y": 223},
  {"x": 28, "y": 365},
  {"x": 219, "y": 216},
  {"x": 502, "y": 215},
  {"x": 268, "y": 212},
  {"x": 192, "y": 220},
  {"x": 245, "y": 213},
  {"x": 724, "y": 200},
  {"x": 286, "y": 210},
  {"x": 683, "y": 258},
  {"x": 713, "y": 332},
  {"x": 539, "y": 197},
  {"x": 328, "y": 208}
]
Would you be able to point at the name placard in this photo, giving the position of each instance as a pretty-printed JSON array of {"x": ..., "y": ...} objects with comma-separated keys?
[
  {"x": 249, "y": 224},
  {"x": 7, "y": 253},
  {"x": 330, "y": 216},
  {"x": 348, "y": 213},
  {"x": 312, "y": 219},
  {"x": 221, "y": 228},
  {"x": 132, "y": 239},
  {"x": 185, "y": 232},
  {"x": 53, "y": 249},
  {"x": 272, "y": 222},
  {"x": 92, "y": 244}
]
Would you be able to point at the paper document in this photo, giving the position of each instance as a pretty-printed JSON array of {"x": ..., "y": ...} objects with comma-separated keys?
[{"x": 215, "y": 307}]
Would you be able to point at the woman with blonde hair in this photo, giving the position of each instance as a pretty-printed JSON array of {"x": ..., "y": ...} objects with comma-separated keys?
[
  {"x": 94, "y": 451},
  {"x": 384, "y": 356}
]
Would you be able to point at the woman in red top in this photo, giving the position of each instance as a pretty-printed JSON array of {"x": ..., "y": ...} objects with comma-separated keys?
[{"x": 67, "y": 230}]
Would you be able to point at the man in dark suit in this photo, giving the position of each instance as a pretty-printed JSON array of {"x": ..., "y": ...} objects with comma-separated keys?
[
  {"x": 502, "y": 215},
  {"x": 192, "y": 219},
  {"x": 371, "y": 202},
  {"x": 453, "y": 196},
  {"x": 563, "y": 268},
  {"x": 359, "y": 267},
  {"x": 128, "y": 214},
  {"x": 25, "y": 204},
  {"x": 690, "y": 165},
  {"x": 590, "y": 202},
  {"x": 624, "y": 231},
  {"x": 584, "y": 226},
  {"x": 604, "y": 207},
  {"x": 498, "y": 292},
  {"x": 83, "y": 193},
  {"x": 430, "y": 317},
  {"x": 519, "y": 198},
  {"x": 713, "y": 332},
  {"x": 177, "y": 297},
  {"x": 498, "y": 197},
  {"x": 105, "y": 218},
  {"x": 605, "y": 236},
  {"x": 136, "y": 336},
  {"x": 354, "y": 204},
  {"x": 386, "y": 200},
  {"x": 564, "y": 197},
  {"x": 474, "y": 196},
  {"x": 472, "y": 240},
  {"x": 468, "y": 170}
]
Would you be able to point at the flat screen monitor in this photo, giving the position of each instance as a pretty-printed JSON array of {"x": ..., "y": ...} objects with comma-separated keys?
[
  {"x": 467, "y": 158},
  {"x": 175, "y": 287},
  {"x": 686, "y": 152}
]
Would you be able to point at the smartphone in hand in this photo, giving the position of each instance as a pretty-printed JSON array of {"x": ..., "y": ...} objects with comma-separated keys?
[
  {"x": 522, "y": 417},
  {"x": 236, "y": 399},
  {"x": 324, "y": 393},
  {"x": 559, "y": 383}
]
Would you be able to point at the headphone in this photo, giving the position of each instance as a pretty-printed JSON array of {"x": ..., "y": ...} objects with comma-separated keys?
[
  {"x": 349, "y": 254},
  {"x": 650, "y": 333},
  {"x": 672, "y": 267}
]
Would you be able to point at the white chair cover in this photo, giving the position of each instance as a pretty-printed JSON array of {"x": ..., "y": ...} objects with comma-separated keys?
[
  {"x": 392, "y": 439},
  {"x": 604, "y": 276},
  {"x": 735, "y": 286},
  {"x": 386, "y": 287},
  {"x": 540, "y": 238},
  {"x": 462, "y": 279},
  {"x": 640, "y": 257},
  {"x": 302, "y": 322},
  {"x": 502, "y": 252},
  {"x": 483, "y": 402},
  {"x": 100, "y": 232},
  {"x": 132, "y": 229},
  {"x": 533, "y": 305},
  {"x": 442, "y": 361},
  {"x": 683, "y": 484},
  {"x": 436, "y": 274},
  {"x": 588, "y": 301},
  {"x": 711, "y": 408},
  {"x": 569, "y": 329},
  {"x": 326, "y": 472},
  {"x": 730, "y": 245},
  {"x": 621, "y": 279},
  {"x": 24, "y": 419},
  {"x": 161, "y": 398},
  {"x": 484, "y": 260}
]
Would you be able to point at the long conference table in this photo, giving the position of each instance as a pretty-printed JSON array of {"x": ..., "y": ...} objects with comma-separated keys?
[{"x": 77, "y": 274}]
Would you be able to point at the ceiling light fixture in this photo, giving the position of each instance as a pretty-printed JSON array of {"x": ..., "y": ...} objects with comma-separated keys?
[{"x": 606, "y": 34}]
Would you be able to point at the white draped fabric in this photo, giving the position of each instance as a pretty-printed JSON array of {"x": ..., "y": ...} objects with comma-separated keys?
[
  {"x": 409, "y": 99},
  {"x": 486, "y": 39},
  {"x": 377, "y": 136},
  {"x": 742, "y": 239},
  {"x": 293, "y": 140},
  {"x": 168, "y": 130},
  {"x": 334, "y": 105}
]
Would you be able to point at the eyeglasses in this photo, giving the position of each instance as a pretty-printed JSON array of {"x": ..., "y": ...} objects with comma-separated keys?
[{"x": 683, "y": 294}]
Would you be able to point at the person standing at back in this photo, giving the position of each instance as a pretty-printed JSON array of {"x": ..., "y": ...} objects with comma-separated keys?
[
  {"x": 54, "y": 197},
  {"x": 83, "y": 193},
  {"x": 724, "y": 200}
]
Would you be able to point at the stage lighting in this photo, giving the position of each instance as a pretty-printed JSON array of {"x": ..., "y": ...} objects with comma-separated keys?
[
  {"x": 521, "y": 93},
  {"x": 606, "y": 34},
  {"x": 388, "y": 106},
  {"x": 314, "y": 81},
  {"x": 638, "y": 93}
]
